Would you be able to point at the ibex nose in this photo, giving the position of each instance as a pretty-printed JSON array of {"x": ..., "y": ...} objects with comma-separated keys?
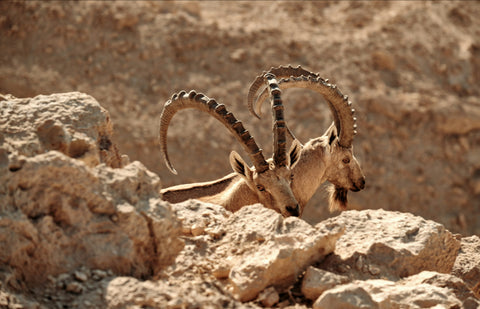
[
  {"x": 362, "y": 183},
  {"x": 359, "y": 185},
  {"x": 294, "y": 210}
]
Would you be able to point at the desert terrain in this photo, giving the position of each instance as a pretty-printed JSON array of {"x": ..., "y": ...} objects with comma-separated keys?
[{"x": 81, "y": 162}]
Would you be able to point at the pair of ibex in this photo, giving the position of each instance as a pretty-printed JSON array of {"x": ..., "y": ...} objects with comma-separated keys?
[{"x": 286, "y": 182}]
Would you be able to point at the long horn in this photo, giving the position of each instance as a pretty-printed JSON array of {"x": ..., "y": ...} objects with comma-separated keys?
[
  {"x": 339, "y": 104},
  {"x": 279, "y": 72},
  {"x": 183, "y": 100},
  {"x": 279, "y": 126}
]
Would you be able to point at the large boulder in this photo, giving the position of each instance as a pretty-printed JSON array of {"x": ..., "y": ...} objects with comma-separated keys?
[
  {"x": 72, "y": 123},
  {"x": 390, "y": 244},
  {"x": 61, "y": 208}
]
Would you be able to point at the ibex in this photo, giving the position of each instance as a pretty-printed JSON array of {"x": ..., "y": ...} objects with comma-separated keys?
[
  {"x": 325, "y": 158},
  {"x": 268, "y": 182}
]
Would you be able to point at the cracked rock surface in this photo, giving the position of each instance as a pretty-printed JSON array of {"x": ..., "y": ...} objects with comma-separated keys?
[{"x": 60, "y": 211}]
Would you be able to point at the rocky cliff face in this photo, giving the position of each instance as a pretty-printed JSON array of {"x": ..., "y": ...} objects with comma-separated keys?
[{"x": 88, "y": 229}]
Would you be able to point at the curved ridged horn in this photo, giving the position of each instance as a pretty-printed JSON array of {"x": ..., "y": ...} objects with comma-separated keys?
[
  {"x": 183, "y": 100},
  {"x": 279, "y": 72},
  {"x": 339, "y": 104},
  {"x": 279, "y": 126}
]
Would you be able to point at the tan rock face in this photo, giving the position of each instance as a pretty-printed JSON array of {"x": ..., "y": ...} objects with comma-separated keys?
[
  {"x": 71, "y": 123},
  {"x": 59, "y": 212},
  {"x": 265, "y": 249},
  {"x": 316, "y": 281},
  {"x": 391, "y": 244},
  {"x": 467, "y": 264}
]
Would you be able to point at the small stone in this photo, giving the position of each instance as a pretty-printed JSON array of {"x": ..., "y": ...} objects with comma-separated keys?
[
  {"x": 98, "y": 274},
  {"x": 269, "y": 297},
  {"x": 80, "y": 276},
  {"x": 215, "y": 233},
  {"x": 75, "y": 288},
  {"x": 198, "y": 229},
  {"x": 359, "y": 263},
  {"x": 316, "y": 281},
  {"x": 374, "y": 270},
  {"x": 221, "y": 272}
]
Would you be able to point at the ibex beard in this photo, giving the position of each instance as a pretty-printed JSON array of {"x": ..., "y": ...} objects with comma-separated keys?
[{"x": 337, "y": 199}]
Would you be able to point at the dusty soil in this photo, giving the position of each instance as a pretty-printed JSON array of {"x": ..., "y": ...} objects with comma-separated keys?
[{"x": 412, "y": 70}]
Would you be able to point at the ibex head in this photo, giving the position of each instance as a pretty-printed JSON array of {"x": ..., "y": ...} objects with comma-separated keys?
[
  {"x": 270, "y": 181},
  {"x": 342, "y": 168},
  {"x": 272, "y": 186}
]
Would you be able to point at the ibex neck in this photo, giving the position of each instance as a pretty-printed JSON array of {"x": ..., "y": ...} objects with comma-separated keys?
[
  {"x": 231, "y": 191},
  {"x": 309, "y": 172}
]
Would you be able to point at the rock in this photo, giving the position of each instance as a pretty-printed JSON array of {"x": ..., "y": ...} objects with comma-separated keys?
[
  {"x": 467, "y": 264},
  {"x": 74, "y": 287},
  {"x": 72, "y": 123},
  {"x": 316, "y": 281},
  {"x": 268, "y": 297},
  {"x": 265, "y": 249},
  {"x": 80, "y": 276},
  {"x": 450, "y": 282},
  {"x": 350, "y": 296},
  {"x": 378, "y": 293},
  {"x": 200, "y": 217},
  {"x": 391, "y": 244},
  {"x": 123, "y": 292},
  {"x": 59, "y": 212}
]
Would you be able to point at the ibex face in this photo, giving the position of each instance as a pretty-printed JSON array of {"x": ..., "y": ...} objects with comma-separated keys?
[
  {"x": 272, "y": 186},
  {"x": 342, "y": 170}
]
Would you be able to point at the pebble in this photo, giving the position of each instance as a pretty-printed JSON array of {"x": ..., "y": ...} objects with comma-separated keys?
[
  {"x": 80, "y": 276},
  {"x": 198, "y": 229},
  {"x": 74, "y": 287},
  {"x": 98, "y": 274}
]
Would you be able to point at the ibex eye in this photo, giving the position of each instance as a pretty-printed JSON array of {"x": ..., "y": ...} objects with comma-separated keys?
[
  {"x": 346, "y": 160},
  {"x": 260, "y": 188}
]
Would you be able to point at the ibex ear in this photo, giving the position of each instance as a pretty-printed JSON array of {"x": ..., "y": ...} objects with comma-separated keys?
[
  {"x": 331, "y": 133},
  {"x": 295, "y": 152},
  {"x": 239, "y": 166}
]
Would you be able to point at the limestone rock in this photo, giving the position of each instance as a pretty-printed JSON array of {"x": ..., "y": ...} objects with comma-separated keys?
[
  {"x": 198, "y": 217},
  {"x": 349, "y": 296},
  {"x": 391, "y": 244},
  {"x": 265, "y": 249},
  {"x": 450, "y": 282},
  {"x": 72, "y": 123},
  {"x": 467, "y": 264},
  {"x": 127, "y": 292},
  {"x": 60, "y": 211},
  {"x": 383, "y": 294},
  {"x": 316, "y": 281}
]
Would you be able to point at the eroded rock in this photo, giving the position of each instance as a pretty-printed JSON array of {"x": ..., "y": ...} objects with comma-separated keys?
[
  {"x": 265, "y": 249},
  {"x": 316, "y": 281},
  {"x": 383, "y": 294},
  {"x": 72, "y": 123},
  {"x": 391, "y": 245},
  {"x": 467, "y": 264},
  {"x": 59, "y": 212}
]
